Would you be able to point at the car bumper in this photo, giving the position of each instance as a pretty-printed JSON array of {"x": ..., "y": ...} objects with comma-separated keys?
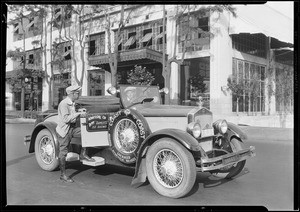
[{"x": 210, "y": 164}]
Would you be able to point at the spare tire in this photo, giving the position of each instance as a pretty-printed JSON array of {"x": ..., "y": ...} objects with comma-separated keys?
[{"x": 127, "y": 129}]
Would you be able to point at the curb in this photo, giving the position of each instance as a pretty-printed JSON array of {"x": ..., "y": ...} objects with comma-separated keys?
[
  {"x": 19, "y": 121},
  {"x": 275, "y": 134}
]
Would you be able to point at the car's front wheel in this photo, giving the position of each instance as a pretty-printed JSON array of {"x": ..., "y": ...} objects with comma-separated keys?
[
  {"x": 170, "y": 168},
  {"x": 45, "y": 151}
]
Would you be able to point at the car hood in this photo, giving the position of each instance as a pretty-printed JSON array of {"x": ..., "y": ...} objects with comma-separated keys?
[{"x": 152, "y": 110}]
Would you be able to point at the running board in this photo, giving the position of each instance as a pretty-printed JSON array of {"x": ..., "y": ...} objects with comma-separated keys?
[{"x": 98, "y": 161}]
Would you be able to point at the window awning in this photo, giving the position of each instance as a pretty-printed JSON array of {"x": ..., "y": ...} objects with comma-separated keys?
[
  {"x": 159, "y": 35},
  {"x": 130, "y": 41},
  {"x": 30, "y": 24},
  {"x": 120, "y": 41},
  {"x": 147, "y": 37},
  {"x": 262, "y": 19}
]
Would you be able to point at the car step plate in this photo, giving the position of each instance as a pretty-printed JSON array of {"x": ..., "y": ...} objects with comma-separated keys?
[{"x": 98, "y": 161}]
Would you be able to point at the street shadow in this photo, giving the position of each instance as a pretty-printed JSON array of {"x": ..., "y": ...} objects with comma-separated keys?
[
  {"x": 17, "y": 160},
  {"x": 207, "y": 180},
  {"x": 104, "y": 170},
  {"x": 108, "y": 169}
]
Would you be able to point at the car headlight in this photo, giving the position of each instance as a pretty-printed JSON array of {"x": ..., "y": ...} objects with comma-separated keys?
[
  {"x": 112, "y": 90},
  {"x": 194, "y": 129},
  {"x": 221, "y": 126}
]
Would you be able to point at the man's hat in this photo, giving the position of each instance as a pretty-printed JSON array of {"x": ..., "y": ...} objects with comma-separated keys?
[{"x": 73, "y": 88}]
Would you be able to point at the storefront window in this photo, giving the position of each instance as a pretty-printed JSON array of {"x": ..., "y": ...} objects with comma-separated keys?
[
  {"x": 96, "y": 83},
  {"x": 253, "y": 76}
]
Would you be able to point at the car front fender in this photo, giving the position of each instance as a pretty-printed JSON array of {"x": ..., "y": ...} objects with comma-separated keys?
[
  {"x": 184, "y": 138},
  {"x": 234, "y": 130},
  {"x": 44, "y": 125}
]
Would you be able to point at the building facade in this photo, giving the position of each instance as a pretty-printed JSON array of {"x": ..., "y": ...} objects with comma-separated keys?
[{"x": 235, "y": 46}]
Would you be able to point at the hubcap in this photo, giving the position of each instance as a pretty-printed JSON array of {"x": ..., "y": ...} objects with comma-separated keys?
[
  {"x": 168, "y": 168},
  {"x": 126, "y": 136},
  {"x": 46, "y": 150}
]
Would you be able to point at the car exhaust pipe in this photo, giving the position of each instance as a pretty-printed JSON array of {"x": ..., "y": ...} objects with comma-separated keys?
[{"x": 27, "y": 138}]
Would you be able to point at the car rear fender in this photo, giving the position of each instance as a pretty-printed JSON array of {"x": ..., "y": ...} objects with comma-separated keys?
[
  {"x": 182, "y": 137},
  {"x": 40, "y": 126},
  {"x": 235, "y": 131}
]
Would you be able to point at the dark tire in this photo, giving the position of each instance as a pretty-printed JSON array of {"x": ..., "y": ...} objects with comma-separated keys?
[
  {"x": 126, "y": 135},
  {"x": 45, "y": 150},
  {"x": 233, "y": 170},
  {"x": 170, "y": 168}
]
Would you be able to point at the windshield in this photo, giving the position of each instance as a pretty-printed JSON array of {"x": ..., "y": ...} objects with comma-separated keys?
[{"x": 132, "y": 94}]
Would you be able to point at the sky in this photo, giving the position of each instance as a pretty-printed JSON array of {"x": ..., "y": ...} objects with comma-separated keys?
[{"x": 284, "y": 7}]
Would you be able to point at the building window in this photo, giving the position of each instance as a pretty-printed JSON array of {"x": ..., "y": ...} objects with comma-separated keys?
[
  {"x": 203, "y": 25},
  {"x": 30, "y": 25},
  {"x": 97, "y": 44},
  {"x": 253, "y": 77},
  {"x": 147, "y": 38},
  {"x": 254, "y": 44},
  {"x": 146, "y": 35},
  {"x": 284, "y": 94},
  {"x": 67, "y": 54},
  {"x": 16, "y": 28},
  {"x": 131, "y": 42},
  {"x": 31, "y": 59},
  {"x": 62, "y": 56},
  {"x": 193, "y": 33}
]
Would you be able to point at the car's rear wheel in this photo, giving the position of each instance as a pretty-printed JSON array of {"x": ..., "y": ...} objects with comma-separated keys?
[
  {"x": 45, "y": 151},
  {"x": 231, "y": 170},
  {"x": 170, "y": 168}
]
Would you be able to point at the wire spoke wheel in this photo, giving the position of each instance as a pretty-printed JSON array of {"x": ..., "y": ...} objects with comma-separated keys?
[
  {"x": 168, "y": 168},
  {"x": 171, "y": 168},
  {"x": 126, "y": 136}
]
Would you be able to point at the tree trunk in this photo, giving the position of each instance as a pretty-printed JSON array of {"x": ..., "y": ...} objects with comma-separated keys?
[
  {"x": 237, "y": 106},
  {"x": 22, "y": 101}
]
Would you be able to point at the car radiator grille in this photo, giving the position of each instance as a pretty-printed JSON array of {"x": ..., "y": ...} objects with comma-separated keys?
[{"x": 204, "y": 117}]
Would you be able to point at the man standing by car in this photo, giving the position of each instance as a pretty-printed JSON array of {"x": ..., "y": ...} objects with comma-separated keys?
[{"x": 66, "y": 129}]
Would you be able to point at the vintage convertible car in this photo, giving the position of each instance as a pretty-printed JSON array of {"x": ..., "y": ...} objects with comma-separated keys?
[{"x": 166, "y": 144}]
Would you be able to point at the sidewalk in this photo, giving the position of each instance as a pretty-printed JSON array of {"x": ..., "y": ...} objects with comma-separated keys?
[
  {"x": 11, "y": 120},
  {"x": 272, "y": 133}
]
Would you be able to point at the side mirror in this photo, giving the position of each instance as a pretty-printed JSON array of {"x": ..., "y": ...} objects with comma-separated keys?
[
  {"x": 164, "y": 90},
  {"x": 112, "y": 90}
]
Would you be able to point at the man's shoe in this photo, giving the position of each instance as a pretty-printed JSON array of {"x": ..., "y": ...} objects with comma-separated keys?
[
  {"x": 86, "y": 157},
  {"x": 66, "y": 179}
]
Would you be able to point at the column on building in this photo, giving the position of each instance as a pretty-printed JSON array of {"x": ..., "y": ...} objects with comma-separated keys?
[
  {"x": 174, "y": 82},
  {"x": 220, "y": 64}
]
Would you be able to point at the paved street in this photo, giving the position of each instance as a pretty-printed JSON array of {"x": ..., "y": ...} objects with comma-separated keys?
[{"x": 267, "y": 179}]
